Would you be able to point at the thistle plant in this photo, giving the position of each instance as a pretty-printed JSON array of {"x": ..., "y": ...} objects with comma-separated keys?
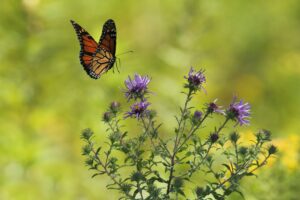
[{"x": 154, "y": 165}]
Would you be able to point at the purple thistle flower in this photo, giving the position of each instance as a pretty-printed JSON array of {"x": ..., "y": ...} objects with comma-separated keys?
[
  {"x": 239, "y": 112},
  {"x": 195, "y": 79},
  {"x": 107, "y": 116},
  {"x": 137, "y": 87},
  {"x": 138, "y": 109},
  {"x": 214, "y": 108}
]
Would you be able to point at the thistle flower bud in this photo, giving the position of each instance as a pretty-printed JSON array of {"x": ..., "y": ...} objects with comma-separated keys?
[
  {"x": 86, "y": 134},
  {"x": 272, "y": 149},
  {"x": 137, "y": 176},
  {"x": 89, "y": 161},
  {"x": 115, "y": 107},
  {"x": 199, "y": 191},
  {"x": 234, "y": 137},
  {"x": 263, "y": 135},
  {"x": 107, "y": 116},
  {"x": 213, "y": 137},
  {"x": 196, "y": 117},
  {"x": 114, "y": 137},
  {"x": 243, "y": 150},
  {"x": 86, "y": 150}
]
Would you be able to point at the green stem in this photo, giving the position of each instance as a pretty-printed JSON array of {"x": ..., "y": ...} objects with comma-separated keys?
[
  {"x": 198, "y": 164},
  {"x": 108, "y": 173},
  {"x": 222, "y": 126},
  {"x": 177, "y": 140},
  {"x": 193, "y": 130},
  {"x": 246, "y": 165},
  {"x": 161, "y": 143},
  {"x": 139, "y": 189},
  {"x": 236, "y": 153},
  {"x": 209, "y": 148}
]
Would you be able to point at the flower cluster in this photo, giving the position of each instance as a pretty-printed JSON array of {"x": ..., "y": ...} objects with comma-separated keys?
[
  {"x": 148, "y": 155},
  {"x": 137, "y": 88},
  {"x": 113, "y": 109},
  {"x": 237, "y": 111}
]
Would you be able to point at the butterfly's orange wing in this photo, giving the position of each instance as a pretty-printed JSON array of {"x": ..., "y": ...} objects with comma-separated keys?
[
  {"x": 97, "y": 58},
  {"x": 88, "y": 46},
  {"x": 102, "y": 61},
  {"x": 108, "y": 37}
]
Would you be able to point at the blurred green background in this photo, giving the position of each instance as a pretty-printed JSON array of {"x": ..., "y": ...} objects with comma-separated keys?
[{"x": 248, "y": 48}]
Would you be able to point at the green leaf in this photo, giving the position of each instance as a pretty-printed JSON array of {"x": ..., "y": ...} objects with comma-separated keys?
[
  {"x": 98, "y": 150},
  {"x": 135, "y": 192},
  {"x": 227, "y": 166},
  {"x": 181, "y": 192},
  {"x": 100, "y": 173},
  {"x": 250, "y": 174}
]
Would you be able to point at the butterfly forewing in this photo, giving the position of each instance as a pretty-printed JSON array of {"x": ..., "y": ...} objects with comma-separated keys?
[
  {"x": 108, "y": 37},
  {"x": 97, "y": 58},
  {"x": 88, "y": 45}
]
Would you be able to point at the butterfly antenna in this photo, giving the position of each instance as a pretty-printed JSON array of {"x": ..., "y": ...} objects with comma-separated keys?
[{"x": 125, "y": 53}]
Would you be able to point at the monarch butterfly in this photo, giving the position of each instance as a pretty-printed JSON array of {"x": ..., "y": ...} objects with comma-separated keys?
[{"x": 97, "y": 58}]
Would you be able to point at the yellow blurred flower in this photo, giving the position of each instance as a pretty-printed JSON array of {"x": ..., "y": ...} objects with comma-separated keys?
[
  {"x": 248, "y": 137},
  {"x": 289, "y": 150}
]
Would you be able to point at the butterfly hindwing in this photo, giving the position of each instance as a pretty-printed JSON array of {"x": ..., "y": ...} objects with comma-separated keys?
[
  {"x": 102, "y": 62},
  {"x": 97, "y": 58}
]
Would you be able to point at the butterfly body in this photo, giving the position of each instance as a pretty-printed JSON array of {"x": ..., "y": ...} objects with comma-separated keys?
[{"x": 97, "y": 58}]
